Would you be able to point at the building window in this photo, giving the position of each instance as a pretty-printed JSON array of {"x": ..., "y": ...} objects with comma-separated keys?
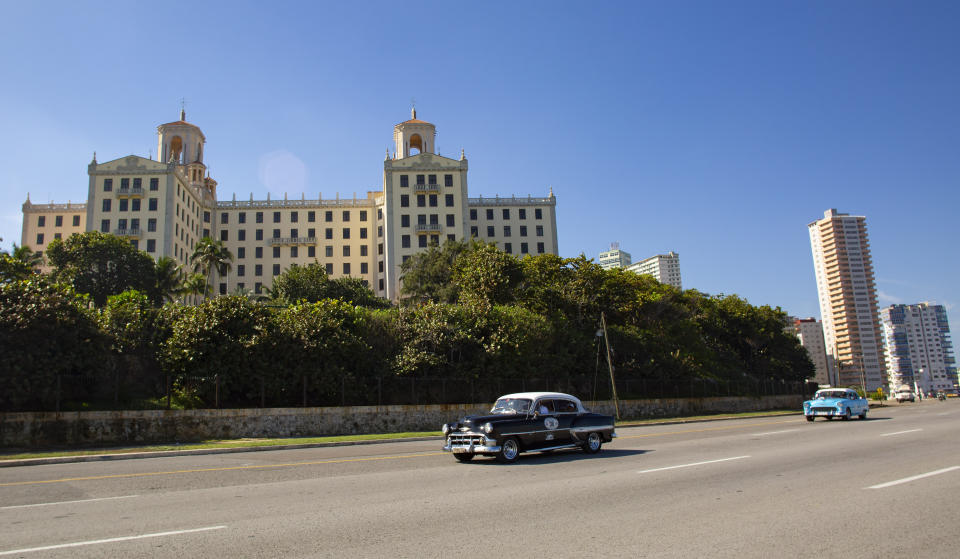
[
  {"x": 329, "y": 268},
  {"x": 422, "y": 241},
  {"x": 276, "y": 233},
  {"x": 39, "y": 238},
  {"x": 346, "y": 232},
  {"x": 404, "y": 180},
  {"x": 421, "y": 219},
  {"x": 106, "y": 205},
  {"x": 294, "y": 217},
  {"x": 276, "y": 217},
  {"x": 135, "y": 244},
  {"x": 104, "y": 225},
  {"x": 137, "y": 184},
  {"x": 379, "y": 230},
  {"x": 506, "y": 230},
  {"x": 259, "y": 217},
  {"x": 258, "y": 234},
  {"x": 241, "y": 270},
  {"x": 206, "y": 217},
  {"x": 241, "y": 252},
  {"x": 421, "y": 201},
  {"x": 276, "y": 252},
  {"x": 432, "y": 180},
  {"x": 258, "y": 287},
  {"x": 124, "y": 204},
  {"x": 42, "y": 220},
  {"x": 151, "y": 245},
  {"x": 490, "y": 231},
  {"x": 451, "y": 237},
  {"x": 447, "y": 180},
  {"x": 506, "y": 213},
  {"x": 364, "y": 268},
  {"x": 294, "y": 252},
  {"x": 380, "y": 283},
  {"x": 538, "y": 213},
  {"x": 523, "y": 248},
  {"x": 450, "y": 220},
  {"x": 474, "y": 232},
  {"x": 223, "y": 235},
  {"x": 328, "y": 216},
  {"x": 363, "y": 215},
  {"x": 58, "y": 221},
  {"x": 405, "y": 241},
  {"x": 224, "y": 218},
  {"x": 363, "y": 250},
  {"x": 473, "y": 215},
  {"x": 276, "y": 269},
  {"x": 508, "y": 248},
  {"x": 346, "y": 250},
  {"x": 539, "y": 230},
  {"x": 523, "y": 213},
  {"x": 448, "y": 200},
  {"x": 380, "y": 248},
  {"x": 346, "y": 215},
  {"x": 154, "y": 184},
  {"x": 135, "y": 205},
  {"x": 152, "y": 204},
  {"x": 433, "y": 200},
  {"x": 404, "y": 220},
  {"x": 258, "y": 252},
  {"x": 328, "y": 251},
  {"x": 242, "y": 235},
  {"x": 363, "y": 232},
  {"x": 121, "y": 224},
  {"x": 489, "y": 214},
  {"x": 539, "y": 248},
  {"x": 294, "y": 233},
  {"x": 107, "y": 185},
  {"x": 328, "y": 233},
  {"x": 420, "y": 179},
  {"x": 311, "y": 251},
  {"x": 311, "y": 216},
  {"x": 76, "y": 221},
  {"x": 523, "y": 230}
]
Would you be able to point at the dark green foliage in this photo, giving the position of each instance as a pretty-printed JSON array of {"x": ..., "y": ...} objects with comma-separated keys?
[
  {"x": 101, "y": 265},
  {"x": 427, "y": 275},
  {"x": 46, "y": 331},
  {"x": 311, "y": 284}
]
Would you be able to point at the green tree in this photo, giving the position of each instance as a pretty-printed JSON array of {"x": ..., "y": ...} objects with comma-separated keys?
[
  {"x": 427, "y": 275},
  {"x": 28, "y": 256},
  {"x": 12, "y": 269},
  {"x": 195, "y": 284},
  {"x": 356, "y": 292},
  {"x": 101, "y": 265},
  {"x": 301, "y": 283},
  {"x": 46, "y": 332},
  {"x": 209, "y": 256},
  {"x": 485, "y": 275},
  {"x": 168, "y": 282}
]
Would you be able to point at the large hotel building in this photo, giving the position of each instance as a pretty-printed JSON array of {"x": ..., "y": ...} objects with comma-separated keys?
[
  {"x": 918, "y": 347},
  {"x": 848, "y": 300},
  {"x": 165, "y": 206}
]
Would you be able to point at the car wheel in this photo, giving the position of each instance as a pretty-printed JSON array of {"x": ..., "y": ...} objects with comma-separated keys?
[
  {"x": 464, "y": 456},
  {"x": 829, "y": 418},
  {"x": 509, "y": 451},
  {"x": 593, "y": 444},
  {"x": 810, "y": 418},
  {"x": 863, "y": 415},
  {"x": 846, "y": 415}
]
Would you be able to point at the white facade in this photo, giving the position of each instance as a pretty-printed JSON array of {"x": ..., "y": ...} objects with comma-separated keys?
[
  {"x": 918, "y": 348},
  {"x": 848, "y": 300},
  {"x": 664, "y": 267},
  {"x": 810, "y": 333},
  {"x": 614, "y": 258}
]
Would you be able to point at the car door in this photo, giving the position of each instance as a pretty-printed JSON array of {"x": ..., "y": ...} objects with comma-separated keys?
[
  {"x": 566, "y": 411},
  {"x": 544, "y": 424}
]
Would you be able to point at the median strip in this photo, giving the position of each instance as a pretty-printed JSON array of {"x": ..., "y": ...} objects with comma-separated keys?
[{"x": 109, "y": 540}]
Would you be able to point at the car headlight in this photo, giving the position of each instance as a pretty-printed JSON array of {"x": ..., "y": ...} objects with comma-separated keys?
[
  {"x": 445, "y": 428},
  {"x": 487, "y": 428}
]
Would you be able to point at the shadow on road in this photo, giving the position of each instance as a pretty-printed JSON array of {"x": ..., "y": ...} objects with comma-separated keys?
[{"x": 557, "y": 456}]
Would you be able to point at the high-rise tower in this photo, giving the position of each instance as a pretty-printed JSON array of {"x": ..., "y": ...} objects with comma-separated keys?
[{"x": 848, "y": 300}]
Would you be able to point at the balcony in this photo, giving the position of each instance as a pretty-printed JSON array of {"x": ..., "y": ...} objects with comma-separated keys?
[
  {"x": 128, "y": 192},
  {"x": 425, "y": 228},
  {"x": 426, "y": 187},
  {"x": 292, "y": 241},
  {"x": 127, "y": 232}
]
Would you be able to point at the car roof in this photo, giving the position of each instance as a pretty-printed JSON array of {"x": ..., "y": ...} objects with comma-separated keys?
[{"x": 535, "y": 395}]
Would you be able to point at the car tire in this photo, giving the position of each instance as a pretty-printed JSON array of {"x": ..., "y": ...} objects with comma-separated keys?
[
  {"x": 593, "y": 443},
  {"x": 846, "y": 415},
  {"x": 509, "y": 451},
  {"x": 829, "y": 418},
  {"x": 863, "y": 415},
  {"x": 810, "y": 418},
  {"x": 464, "y": 456}
]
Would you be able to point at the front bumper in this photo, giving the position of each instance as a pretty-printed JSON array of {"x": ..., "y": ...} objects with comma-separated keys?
[{"x": 470, "y": 443}]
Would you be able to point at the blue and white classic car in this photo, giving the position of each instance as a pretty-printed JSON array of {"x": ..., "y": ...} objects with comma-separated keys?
[{"x": 836, "y": 402}]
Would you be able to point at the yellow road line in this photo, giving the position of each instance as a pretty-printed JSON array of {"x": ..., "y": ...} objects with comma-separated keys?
[
  {"x": 344, "y": 460},
  {"x": 224, "y": 469}
]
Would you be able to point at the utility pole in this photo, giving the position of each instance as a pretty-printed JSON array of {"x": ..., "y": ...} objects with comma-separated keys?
[{"x": 613, "y": 383}]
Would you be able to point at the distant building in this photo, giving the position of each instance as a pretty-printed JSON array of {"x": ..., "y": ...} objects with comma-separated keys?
[
  {"x": 848, "y": 300},
  {"x": 664, "y": 267},
  {"x": 810, "y": 333},
  {"x": 614, "y": 258},
  {"x": 918, "y": 348}
]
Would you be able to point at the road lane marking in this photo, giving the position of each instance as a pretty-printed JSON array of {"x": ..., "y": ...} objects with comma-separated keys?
[
  {"x": 110, "y": 540},
  {"x": 67, "y": 502},
  {"x": 914, "y": 478},
  {"x": 775, "y": 432},
  {"x": 702, "y": 430},
  {"x": 224, "y": 469},
  {"x": 691, "y": 465},
  {"x": 900, "y": 432}
]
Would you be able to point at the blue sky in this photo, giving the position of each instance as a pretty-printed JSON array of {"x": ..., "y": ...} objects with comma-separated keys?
[{"x": 718, "y": 130}]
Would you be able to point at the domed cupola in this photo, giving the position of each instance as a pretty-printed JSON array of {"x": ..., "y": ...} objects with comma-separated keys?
[
  {"x": 180, "y": 142},
  {"x": 414, "y": 136}
]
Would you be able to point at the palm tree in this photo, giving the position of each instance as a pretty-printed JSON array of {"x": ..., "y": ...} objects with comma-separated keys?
[
  {"x": 195, "y": 284},
  {"x": 27, "y": 255},
  {"x": 169, "y": 280},
  {"x": 210, "y": 255}
]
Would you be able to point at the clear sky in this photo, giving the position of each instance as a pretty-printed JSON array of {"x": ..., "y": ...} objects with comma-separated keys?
[{"x": 718, "y": 130}]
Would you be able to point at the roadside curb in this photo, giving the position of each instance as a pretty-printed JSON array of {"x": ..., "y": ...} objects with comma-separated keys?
[{"x": 204, "y": 451}]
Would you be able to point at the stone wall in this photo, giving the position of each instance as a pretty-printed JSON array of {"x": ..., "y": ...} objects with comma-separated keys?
[{"x": 41, "y": 430}]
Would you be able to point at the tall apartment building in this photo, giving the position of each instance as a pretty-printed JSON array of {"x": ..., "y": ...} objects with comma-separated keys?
[
  {"x": 918, "y": 348},
  {"x": 848, "y": 300},
  {"x": 810, "y": 333},
  {"x": 613, "y": 258},
  {"x": 664, "y": 267},
  {"x": 165, "y": 206}
]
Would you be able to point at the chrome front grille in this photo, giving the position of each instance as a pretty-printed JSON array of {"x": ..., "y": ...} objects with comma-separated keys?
[{"x": 466, "y": 439}]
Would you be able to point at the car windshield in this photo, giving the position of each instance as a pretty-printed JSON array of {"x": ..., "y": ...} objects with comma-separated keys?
[
  {"x": 511, "y": 405},
  {"x": 832, "y": 394}
]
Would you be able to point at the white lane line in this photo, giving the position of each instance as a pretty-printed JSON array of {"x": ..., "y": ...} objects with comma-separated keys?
[
  {"x": 109, "y": 540},
  {"x": 900, "y": 432},
  {"x": 67, "y": 502},
  {"x": 691, "y": 465},
  {"x": 914, "y": 478},
  {"x": 775, "y": 432}
]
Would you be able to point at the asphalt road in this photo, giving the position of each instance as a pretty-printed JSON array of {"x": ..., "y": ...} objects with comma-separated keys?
[{"x": 770, "y": 487}]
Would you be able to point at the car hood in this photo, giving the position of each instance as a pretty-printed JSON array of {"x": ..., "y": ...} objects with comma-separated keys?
[{"x": 824, "y": 402}]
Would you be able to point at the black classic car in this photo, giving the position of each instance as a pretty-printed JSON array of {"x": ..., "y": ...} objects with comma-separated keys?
[{"x": 528, "y": 422}]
